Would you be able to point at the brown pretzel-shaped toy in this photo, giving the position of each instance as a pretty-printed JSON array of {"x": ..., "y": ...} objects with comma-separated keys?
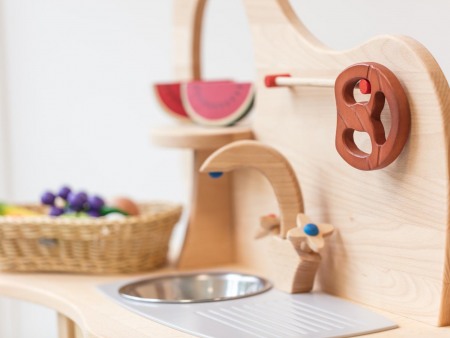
[{"x": 365, "y": 116}]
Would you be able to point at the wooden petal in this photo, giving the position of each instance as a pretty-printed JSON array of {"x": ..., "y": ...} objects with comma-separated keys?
[
  {"x": 302, "y": 220},
  {"x": 269, "y": 222},
  {"x": 316, "y": 242},
  {"x": 296, "y": 233},
  {"x": 262, "y": 233},
  {"x": 325, "y": 229}
]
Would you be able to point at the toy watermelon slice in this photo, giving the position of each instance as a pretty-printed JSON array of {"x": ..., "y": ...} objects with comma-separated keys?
[
  {"x": 169, "y": 97},
  {"x": 217, "y": 103}
]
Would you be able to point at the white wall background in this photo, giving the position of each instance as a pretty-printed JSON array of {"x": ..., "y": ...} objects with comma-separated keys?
[{"x": 76, "y": 105}]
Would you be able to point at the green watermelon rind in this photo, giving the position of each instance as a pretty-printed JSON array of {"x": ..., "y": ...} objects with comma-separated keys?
[{"x": 240, "y": 113}]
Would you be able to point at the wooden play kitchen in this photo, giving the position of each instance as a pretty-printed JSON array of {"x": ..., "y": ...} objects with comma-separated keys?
[{"x": 364, "y": 220}]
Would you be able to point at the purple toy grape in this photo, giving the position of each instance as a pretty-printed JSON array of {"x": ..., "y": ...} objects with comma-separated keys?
[
  {"x": 95, "y": 203},
  {"x": 48, "y": 198},
  {"x": 82, "y": 196},
  {"x": 76, "y": 201},
  {"x": 94, "y": 213},
  {"x": 64, "y": 192},
  {"x": 55, "y": 211},
  {"x": 67, "y": 201}
]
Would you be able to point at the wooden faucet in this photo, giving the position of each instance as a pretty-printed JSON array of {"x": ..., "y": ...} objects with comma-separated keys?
[
  {"x": 273, "y": 165},
  {"x": 293, "y": 262}
]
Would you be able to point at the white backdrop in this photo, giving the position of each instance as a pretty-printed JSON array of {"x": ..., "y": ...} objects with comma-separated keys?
[{"x": 76, "y": 105}]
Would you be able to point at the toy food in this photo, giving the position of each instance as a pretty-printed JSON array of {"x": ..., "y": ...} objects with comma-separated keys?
[
  {"x": 70, "y": 204},
  {"x": 12, "y": 210},
  {"x": 126, "y": 205},
  {"x": 217, "y": 103},
  {"x": 169, "y": 98}
]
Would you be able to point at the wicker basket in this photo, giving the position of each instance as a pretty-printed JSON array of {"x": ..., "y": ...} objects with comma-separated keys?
[{"x": 131, "y": 244}]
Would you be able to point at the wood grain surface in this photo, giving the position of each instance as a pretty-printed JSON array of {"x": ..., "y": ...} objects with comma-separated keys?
[{"x": 390, "y": 247}]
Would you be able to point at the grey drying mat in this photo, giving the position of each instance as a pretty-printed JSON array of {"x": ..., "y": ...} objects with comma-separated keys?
[{"x": 270, "y": 314}]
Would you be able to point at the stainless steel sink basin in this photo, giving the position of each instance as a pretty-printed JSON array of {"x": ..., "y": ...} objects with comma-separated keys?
[
  {"x": 195, "y": 288},
  {"x": 266, "y": 314}
]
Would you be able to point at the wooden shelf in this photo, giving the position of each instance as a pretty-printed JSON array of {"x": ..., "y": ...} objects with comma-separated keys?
[{"x": 198, "y": 137}]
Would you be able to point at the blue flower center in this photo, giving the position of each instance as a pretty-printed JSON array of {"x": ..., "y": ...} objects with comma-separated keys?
[{"x": 311, "y": 229}]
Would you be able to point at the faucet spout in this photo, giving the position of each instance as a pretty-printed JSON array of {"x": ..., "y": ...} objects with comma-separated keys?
[{"x": 272, "y": 164}]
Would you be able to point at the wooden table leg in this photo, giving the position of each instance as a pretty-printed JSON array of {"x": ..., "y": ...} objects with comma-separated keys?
[{"x": 66, "y": 327}]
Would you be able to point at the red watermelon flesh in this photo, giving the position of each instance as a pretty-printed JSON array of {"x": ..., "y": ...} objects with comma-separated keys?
[
  {"x": 217, "y": 103},
  {"x": 169, "y": 97}
]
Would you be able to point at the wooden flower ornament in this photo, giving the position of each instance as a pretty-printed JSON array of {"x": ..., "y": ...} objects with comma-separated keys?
[
  {"x": 268, "y": 224},
  {"x": 295, "y": 266},
  {"x": 310, "y": 233}
]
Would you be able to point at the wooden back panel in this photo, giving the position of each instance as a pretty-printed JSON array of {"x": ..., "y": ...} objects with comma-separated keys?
[{"x": 390, "y": 247}]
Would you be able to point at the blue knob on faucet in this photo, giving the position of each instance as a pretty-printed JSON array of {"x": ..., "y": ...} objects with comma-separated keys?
[{"x": 215, "y": 174}]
